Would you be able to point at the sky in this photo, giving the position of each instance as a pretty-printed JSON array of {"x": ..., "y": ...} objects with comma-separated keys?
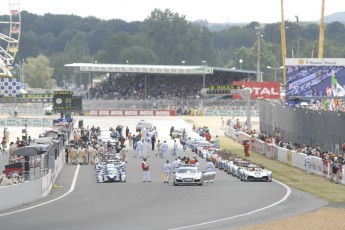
[{"x": 215, "y": 11}]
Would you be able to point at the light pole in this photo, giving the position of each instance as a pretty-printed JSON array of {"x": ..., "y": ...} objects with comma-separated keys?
[
  {"x": 258, "y": 36},
  {"x": 204, "y": 63},
  {"x": 240, "y": 61},
  {"x": 275, "y": 70}
]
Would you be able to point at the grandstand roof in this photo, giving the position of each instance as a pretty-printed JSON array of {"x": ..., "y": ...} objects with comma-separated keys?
[
  {"x": 153, "y": 69},
  {"x": 150, "y": 69}
]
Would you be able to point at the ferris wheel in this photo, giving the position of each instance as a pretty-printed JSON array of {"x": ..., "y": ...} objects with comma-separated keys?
[{"x": 10, "y": 27}]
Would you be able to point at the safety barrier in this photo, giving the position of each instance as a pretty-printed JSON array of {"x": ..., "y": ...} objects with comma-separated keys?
[
  {"x": 19, "y": 194},
  {"x": 30, "y": 122},
  {"x": 22, "y": 111},
  {"x": 293, "y": 158}
]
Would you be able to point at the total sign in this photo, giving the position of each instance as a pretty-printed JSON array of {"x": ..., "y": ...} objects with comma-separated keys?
[{"x": 268, "y": 90}]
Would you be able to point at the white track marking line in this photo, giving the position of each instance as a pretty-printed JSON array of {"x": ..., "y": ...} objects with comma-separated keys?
[
  {"x": 50, "y": 201},
  {"x": 288, "y": 193}
]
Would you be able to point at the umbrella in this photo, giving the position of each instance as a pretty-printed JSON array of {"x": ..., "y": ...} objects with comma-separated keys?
[{"x": 304, "y": 103}]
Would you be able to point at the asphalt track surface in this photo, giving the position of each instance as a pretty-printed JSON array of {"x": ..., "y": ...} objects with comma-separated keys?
[{"x": 227, "y": 203}]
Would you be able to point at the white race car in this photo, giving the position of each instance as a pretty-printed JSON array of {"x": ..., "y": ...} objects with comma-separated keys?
[
  {"x": 188, "y": 175},
  {"x": 255, "y": 173}
]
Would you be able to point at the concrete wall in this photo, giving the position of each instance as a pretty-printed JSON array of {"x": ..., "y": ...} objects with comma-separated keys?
[{"x": 19, "y": 194}]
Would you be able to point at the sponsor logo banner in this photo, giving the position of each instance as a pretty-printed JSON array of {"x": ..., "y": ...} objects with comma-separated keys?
[
  {"x": 132, "y": 113},
  {"x": 267, "y": 90}
]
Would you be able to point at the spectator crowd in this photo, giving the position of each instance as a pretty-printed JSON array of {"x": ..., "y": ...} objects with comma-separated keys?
[{"x": 127, "y": 86}]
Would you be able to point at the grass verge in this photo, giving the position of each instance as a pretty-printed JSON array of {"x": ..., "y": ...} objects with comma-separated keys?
[{"x": 291, "y": 176}]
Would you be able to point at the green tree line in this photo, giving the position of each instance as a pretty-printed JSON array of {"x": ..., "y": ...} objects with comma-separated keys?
[{"x": 163, "y": 38}]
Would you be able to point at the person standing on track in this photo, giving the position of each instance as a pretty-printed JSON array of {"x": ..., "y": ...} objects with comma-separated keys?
[
  {"x": 130, "y": 140},
  {"x": 74, "y": 160},
  {"x": 81, "y": 153},
  {"x": 124, "y": 153},
  {"x": 86, "y": 156},
  {"x": 159, "y": 148},
  {"x": 176, "y": 165},
  {"x": 146, "y": 170},
  {"x": 175, "y": 149},
  {"x": 147, "y": 144},
  {"x": 127, "y": 132},
  {"x": 139, "y": 149},
  {"x": 167, "y": 171},
  {"x": 93, "y": 153},
  {"x": 164, "y": 149},
  {"x": 153, "y": 141}
]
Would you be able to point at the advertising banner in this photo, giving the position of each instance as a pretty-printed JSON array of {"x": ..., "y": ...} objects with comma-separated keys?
[
  {"x": 132, "y": 112},
  {"x": 267, "y": 90}
]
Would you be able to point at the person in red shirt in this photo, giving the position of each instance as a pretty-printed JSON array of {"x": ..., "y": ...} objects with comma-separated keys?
[
  {"x": 208, "y": 136},
  {"x": 146, "y": 170},
  {"x": 246, "y": 148}
]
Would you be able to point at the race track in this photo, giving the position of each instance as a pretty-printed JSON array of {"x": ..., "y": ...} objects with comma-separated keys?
[{"x": 226, "y": 204}]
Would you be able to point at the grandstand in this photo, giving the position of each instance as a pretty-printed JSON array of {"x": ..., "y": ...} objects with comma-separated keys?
[{"x": 138, "y": 82}]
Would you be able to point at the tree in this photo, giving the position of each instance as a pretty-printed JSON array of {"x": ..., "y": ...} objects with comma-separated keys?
[
  {"x": 75, "y": 51},
  {"x": 138, "y": 55},
  {"x": 167, "y": 32},
  {"x": 38, "y": 73},
  {"x": 112, "y": 48}
]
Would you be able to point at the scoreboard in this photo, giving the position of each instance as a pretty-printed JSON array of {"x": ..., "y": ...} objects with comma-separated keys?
[
  {"x": 63, "y": 100},
  {"x": 222, "y": 89}
]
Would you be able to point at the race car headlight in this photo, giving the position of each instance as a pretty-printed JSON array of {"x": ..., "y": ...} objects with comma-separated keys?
[{"x": 178, "y": 178}]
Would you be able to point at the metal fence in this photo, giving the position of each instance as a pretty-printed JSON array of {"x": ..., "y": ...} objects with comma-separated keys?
[
  {"x": 164, "y": 104},
  {"x": 305, "y": 127}
]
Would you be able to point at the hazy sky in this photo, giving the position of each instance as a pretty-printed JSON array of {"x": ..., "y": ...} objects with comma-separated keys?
[{"x": 263, "y": 11}]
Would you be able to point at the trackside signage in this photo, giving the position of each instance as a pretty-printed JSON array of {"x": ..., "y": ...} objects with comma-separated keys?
[
  {"x": 267, "y": 90},
  {"x": 132, "y": 113}
]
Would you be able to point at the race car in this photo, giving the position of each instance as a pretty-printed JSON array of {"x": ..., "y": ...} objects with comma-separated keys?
[
  {"x": 191, "y": 142},
  {"x": 188, "y": 175},
  {"x": 176, "y": 133},
  {"x": 143, "y": 124},
  {"x": 200, "y": 145},
  {"x": 111, "y": 170},
  {"x": 255, "y": 173}
]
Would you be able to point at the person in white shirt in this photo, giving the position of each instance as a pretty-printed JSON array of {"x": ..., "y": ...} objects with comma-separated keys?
[
  {"x": 175, "y": 165},
  {"x": 164, "y": 149},
  {"x": 167, "y": 171},
  {"x": 307, "y": 163},
  {"x": 139, "y": 148}
]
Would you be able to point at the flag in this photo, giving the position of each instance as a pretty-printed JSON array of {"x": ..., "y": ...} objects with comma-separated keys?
[{"x": 337, "y": 89}]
